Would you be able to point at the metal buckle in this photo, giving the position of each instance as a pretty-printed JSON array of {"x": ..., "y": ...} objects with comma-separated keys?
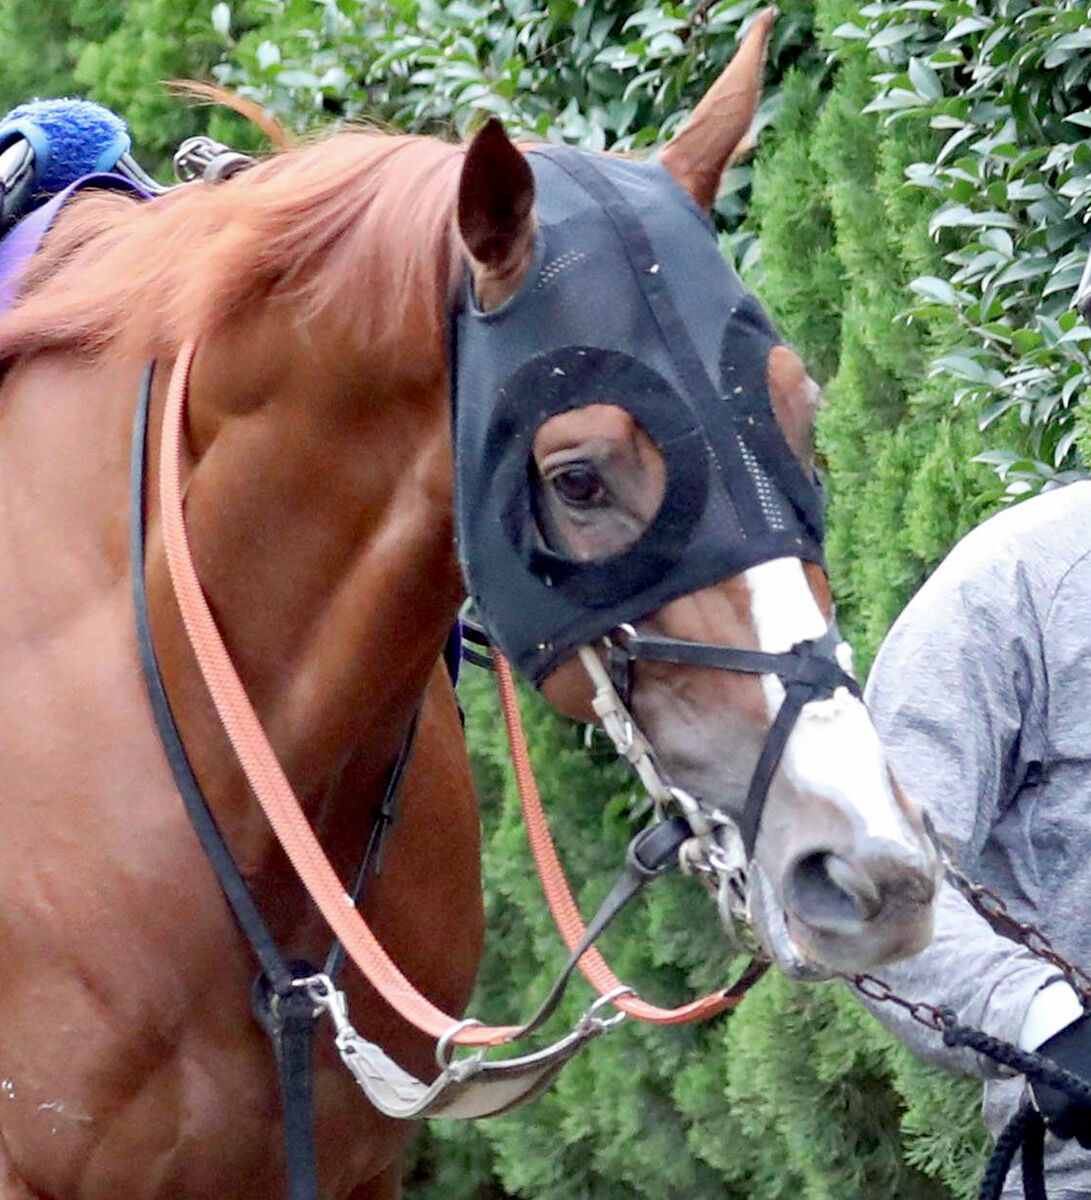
[
  {"x": 324, "y": 995},
  {"x": 591, "y": 1022},
  {"x": 445, "y": 1048},
  {"x": 203, "y": 158}
]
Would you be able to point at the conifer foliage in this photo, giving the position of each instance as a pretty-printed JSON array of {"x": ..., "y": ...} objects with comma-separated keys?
[{"x": 915, "y": 221}]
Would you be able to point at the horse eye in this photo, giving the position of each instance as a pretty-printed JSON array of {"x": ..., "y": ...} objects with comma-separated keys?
[{"x": 579, "y": 484}]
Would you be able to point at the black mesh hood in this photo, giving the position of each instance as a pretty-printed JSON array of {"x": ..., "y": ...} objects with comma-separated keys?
[{"x": 628, "y": 303}]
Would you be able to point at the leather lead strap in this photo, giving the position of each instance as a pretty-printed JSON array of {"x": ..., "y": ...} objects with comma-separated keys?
[
  {"x": 376, "y": 842},
  {"x": 653, "y": 852},
  {"x": 292, "y": 1036},
  {"x": 289, "y": 1022},
  {"x": 204, "y": 823},
  {"x": 558, "y": 894},
  {"x": 259, "y": 762},
  {"x": 1033, "y": 1160},
  {"x": 1025, "y": 1126}
]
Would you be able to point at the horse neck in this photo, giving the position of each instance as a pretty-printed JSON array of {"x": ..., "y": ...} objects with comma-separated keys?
[{"x": 319, "y": 510}]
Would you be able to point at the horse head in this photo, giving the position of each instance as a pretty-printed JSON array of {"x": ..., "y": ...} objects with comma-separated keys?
[{"x": 634, "y": 449}]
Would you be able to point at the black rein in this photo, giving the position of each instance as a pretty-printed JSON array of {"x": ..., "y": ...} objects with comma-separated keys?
[{"x": 282, "y": 1009}]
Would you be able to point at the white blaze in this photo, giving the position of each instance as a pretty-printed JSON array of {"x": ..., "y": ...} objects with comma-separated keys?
[{"x": 834, "y": 750}]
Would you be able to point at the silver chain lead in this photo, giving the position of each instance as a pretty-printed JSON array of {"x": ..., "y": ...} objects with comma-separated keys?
[
  {"x": 928, "y": 1015},
  {"x": 989, "y": 905},
  {"x": 986, "y": 902}
]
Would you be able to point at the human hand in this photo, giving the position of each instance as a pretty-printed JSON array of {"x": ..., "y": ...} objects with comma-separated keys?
[{"x": 1065, "y": 1115}]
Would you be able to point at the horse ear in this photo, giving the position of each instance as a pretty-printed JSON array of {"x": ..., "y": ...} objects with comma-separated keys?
[
  {"x": 795, "y": 400},
  {"x": 496, "y": 213},
  {"x": 717, "y": 128}
]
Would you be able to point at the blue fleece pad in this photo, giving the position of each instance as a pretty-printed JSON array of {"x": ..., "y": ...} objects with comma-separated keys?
[{"x": 71, "y": 138}]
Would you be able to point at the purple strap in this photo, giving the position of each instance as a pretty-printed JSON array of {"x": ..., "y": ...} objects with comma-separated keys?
[{"x": 21, "y": 244}]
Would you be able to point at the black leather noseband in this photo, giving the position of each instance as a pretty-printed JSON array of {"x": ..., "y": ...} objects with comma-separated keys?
[{"x": 809, "y": 671}]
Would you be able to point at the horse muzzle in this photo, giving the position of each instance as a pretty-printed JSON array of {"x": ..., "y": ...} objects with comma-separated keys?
[{"x": 836, "y": 909}]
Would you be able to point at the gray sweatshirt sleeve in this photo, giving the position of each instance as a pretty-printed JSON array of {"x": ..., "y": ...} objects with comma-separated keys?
[{"x": 958, "y": 695}]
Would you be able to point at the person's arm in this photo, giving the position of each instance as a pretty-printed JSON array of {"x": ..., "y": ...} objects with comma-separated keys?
[
  {"x": 988, "y": 981},
  {"x": 957, "y": 694}
]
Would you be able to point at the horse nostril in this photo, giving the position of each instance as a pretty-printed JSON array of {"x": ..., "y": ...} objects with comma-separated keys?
[
  {"x": 829, "y": 892},
  {"x": 856, "y": 883}
]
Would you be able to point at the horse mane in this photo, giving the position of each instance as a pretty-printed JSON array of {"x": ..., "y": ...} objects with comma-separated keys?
[{"x": 359, "y": 214}]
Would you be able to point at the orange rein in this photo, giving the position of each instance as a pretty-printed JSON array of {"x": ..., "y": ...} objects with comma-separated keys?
[
  {"x": 558, "y": 894},
  {"x": 292, "y": 829}
]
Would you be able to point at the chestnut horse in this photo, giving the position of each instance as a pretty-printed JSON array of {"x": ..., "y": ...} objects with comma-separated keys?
[{"x": 318, "y": 496}]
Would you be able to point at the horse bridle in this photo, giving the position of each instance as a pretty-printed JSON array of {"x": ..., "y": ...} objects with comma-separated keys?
[
  {"x": 689, "y": 834},
  {"x": 809, "y": 671}
]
